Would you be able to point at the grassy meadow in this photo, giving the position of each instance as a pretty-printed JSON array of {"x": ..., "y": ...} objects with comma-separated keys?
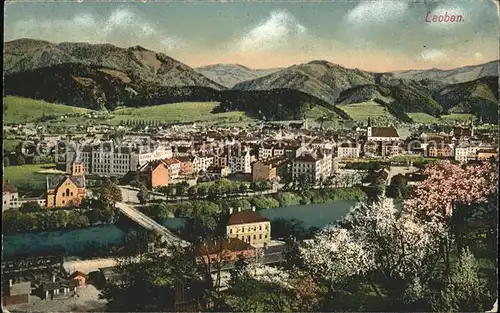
[
  {"x": 178, "y": 112},
  {"x": 420, "y": 117},
  {"x": 24, "y": 110},
  {"x": 27, "y": 177},
  {"x": 363, "y": 110}
]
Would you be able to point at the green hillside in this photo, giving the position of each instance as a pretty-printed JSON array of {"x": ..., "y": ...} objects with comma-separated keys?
[
  {"x": 419, "y": 117},
  {"x": 370, "y": 109},
  {"x": 22, "y": 110},
  {"x": 178, "y": 112}
]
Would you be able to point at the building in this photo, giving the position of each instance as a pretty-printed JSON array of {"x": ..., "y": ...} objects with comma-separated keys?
[
  {"x": 382, "y": 134},
  {"x": 265, "y": 151},
  {"x": 67, "y": 191},
  {"x": 239, "y": 160},
  {"x": 273, "y": 168},
  {"x": 187, "y": 166},
  {"x": 9, "y": 195},
  {"x": 249, "y": 226},
  {"x": 55, "y": 288},
  {"x": 15, "y": 293},
  {"x": 348, "y": 150},
  {"x": 440, "y": 150},
  {"x": 80, "y": 277},
  {"x": 202, "y": 162},
  {"x": 223, "y": 250},
  {"x": 153, "y": 174},
  {"x": 312, "y": 166},
  {"x": 217, "y": 172},
  {"x": 463, "y": 133},
  {"x": 486, "y": 154},
  {"x": 109, "y": 159},
  {"x": 174, "y": 167},
  {"x": 462, "y": 152}
]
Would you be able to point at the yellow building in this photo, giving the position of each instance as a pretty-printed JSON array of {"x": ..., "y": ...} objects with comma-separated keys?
[
  {"x": 250, "y": 227},
  {"x": 67, "y": 191}
]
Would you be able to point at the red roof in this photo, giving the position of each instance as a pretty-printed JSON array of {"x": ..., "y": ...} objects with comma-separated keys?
[
  {"x": 217, "y": 246},
  {"x": 76, "y": 274},
  {"x": 384, "y": 132},
  {"x": 6, "y": 187},
  {"x": 246, "y": 217},
  {"x": 171, "y": 161}
]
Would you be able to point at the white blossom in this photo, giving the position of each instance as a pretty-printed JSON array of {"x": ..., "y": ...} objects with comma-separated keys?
[
  {"x": 376, "y": 238},
  {"x": 269, "y": 274}
]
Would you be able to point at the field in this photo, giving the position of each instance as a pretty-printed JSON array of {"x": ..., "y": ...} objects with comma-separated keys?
[
  {"x": 420, "y": 117},
  {"x": 10, "y": 144},
  {"x": 22, "y": 110},
  {"x": 458, "y": 117},
  {"x": 364, "y": 110},
  {"x": 27, "y": 177},
  {"x": 178, "y": 112}
]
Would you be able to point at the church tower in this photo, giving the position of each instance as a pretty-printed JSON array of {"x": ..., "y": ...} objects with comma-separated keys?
[{"x": 77, "y": 169}]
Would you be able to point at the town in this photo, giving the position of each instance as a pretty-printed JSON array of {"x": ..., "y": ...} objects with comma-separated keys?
[
  {"x": 252, "y": 169},
  {"x": 250, "y": 157}
]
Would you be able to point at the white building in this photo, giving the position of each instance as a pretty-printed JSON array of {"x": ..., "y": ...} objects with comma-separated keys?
[
  {"x": 108, "y": 159},
  {"x": 9, "y": 196},
  {"x": 312, "y": 166},
  {"x": 239, "y": 160},
  {"x": 348, "y": 150},
  {"x": 11, "y": 200},
  {"x": 201, "y": 162}
]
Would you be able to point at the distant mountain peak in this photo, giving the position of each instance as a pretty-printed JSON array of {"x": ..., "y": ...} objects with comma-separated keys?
[
  {"x": 138, "y": 48},
  {"x": 320, "y": 62},
  {"x": 231, "y": 74}
]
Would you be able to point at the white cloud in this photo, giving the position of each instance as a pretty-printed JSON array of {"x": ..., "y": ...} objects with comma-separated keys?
[
  {"x": 379, "y": 11},
  {"x": 433, "y": 55},
  {"x": 278, "y": 31},
  {"x": 122, "y": 27}
]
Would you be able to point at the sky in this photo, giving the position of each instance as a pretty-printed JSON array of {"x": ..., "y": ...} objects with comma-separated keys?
[{"x": 376, "y": 35}]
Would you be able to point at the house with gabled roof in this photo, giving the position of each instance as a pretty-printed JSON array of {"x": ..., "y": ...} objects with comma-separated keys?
[
  {"x": 68, "y": 190},
  {"x": 249, "y": 226}
]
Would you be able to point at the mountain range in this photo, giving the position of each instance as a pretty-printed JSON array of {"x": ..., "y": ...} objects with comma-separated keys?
[
  {"x": 104, "y": 76},
  {"x": 229, "y": 75}
]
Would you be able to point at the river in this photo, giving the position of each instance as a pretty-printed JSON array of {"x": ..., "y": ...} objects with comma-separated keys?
[{"x": 76, "y": 240}]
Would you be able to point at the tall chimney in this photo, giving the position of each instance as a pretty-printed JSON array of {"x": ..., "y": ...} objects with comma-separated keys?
[
  {"x": 239, "y": 209},
  {"x": 10, "y": 282},
  {"x": 231, "y": 210},
  {"x": 53, "y": 278},
  {"x": 253, "y": 208}
]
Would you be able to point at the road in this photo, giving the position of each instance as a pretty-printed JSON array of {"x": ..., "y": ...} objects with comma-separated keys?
[
  {"x": 395, "y": 170},
  {"x": 145, "y": 221}
]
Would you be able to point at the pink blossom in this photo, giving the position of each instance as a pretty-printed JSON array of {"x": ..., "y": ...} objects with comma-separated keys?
[{"x": 448, "y": 184}]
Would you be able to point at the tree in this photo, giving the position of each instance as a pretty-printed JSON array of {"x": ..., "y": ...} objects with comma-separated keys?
[
  {"x": 463, "y": 290},
  {"x": 20, "y": 160},
  {"x": 143, "y": 195},
  {"x": 6, "y": 161},
  {"x": 202, "y": 191},
  {"x": 149, "y": 283},
  {"x": 384, "y": 248},
  {"x": 181, "y": 189},
  {"x": 445, "y": 190},
  {"x": 193, "y": 191},
  {"x": 30, "y": 207},
  {"x": 110, "y": 194},
  {"x": 447, "y": 184}
]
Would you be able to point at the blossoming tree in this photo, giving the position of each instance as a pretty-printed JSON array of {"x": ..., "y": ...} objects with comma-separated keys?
[
  {"x": 378, "y": 244},
  {"x": 448, "y": 184}
]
